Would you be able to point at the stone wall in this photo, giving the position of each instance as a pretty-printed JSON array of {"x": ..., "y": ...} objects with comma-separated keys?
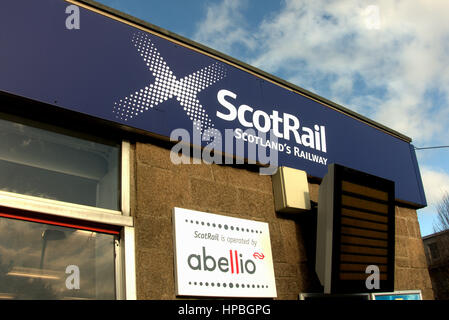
[
  {"x": 238, "y": 191},
  {"x": 411, "y": 266},
  {"x": 438, "y": 263}
]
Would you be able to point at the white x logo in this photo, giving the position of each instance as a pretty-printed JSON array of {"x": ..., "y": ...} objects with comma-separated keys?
[{"x": 167, "y": 86}]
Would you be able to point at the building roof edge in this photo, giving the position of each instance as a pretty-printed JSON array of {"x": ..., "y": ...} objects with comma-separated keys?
[{"x": 258, "y": 72}]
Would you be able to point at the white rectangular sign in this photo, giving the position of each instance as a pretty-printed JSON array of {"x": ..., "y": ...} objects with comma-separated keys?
[{"x": 220, "y": 256}]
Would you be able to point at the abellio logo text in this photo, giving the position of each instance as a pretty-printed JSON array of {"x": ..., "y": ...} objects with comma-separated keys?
[{"x": 233, "y": 262}]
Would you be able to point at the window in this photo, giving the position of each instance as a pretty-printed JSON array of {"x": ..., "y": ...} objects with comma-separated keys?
[
  {"x": 44, "y": 261},
  {"x": 51, "y": 165},
  {"x": 65, "y": 225}
]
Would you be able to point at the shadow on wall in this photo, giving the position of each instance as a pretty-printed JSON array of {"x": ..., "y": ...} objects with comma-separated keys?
[{"x": 306, "y": 224}]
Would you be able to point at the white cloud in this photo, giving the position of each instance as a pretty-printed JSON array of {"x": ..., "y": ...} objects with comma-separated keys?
[
  {"x": 224, "y": 27},
  {"x": 436, "y": 183},
  {"x": 381, "y": 58}
]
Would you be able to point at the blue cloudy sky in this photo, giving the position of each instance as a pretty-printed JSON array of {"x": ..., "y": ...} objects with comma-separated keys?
[{"x": 385, "y": 59}]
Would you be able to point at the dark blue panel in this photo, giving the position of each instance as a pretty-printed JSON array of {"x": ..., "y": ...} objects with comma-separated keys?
[{"x": 116, "y": 72}]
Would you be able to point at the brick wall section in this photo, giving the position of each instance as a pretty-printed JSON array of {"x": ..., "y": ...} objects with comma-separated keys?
[
  {"x": 438, "y": 266},
  {"x": 411, "y": 266},
  {"x": 241, "y": 192}
]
